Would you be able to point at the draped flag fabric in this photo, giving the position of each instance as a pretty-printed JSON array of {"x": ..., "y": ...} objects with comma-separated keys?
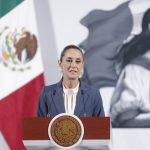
[
  {"x": 107, "y": 31},
  {"x": 21, "y": 70}
]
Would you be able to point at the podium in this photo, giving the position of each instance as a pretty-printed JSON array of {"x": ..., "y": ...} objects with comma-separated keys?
[{"x": 96, "y": 133}]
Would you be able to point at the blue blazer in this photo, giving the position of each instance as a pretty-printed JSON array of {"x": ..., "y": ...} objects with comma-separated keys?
[{"x": 88, "y": 103}]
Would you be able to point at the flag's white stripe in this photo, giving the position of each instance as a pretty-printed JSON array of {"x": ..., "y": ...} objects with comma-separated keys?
[
  {"x": 3, "y": 143},
  {"x": 22, "y": 16}
]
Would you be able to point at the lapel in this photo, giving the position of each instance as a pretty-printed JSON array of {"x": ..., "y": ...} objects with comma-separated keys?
[
  {"x": 80, "y": 102},
  {"x": 58, "y": 98}
]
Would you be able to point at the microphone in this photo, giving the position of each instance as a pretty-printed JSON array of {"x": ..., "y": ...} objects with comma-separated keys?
[
  {"x": 54, "y": 92},
  {"x": 82, "y": 92},
  {"x": 48, "y": 115}
]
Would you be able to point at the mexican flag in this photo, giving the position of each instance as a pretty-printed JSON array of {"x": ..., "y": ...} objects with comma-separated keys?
[{"x": 21, "y": 70}]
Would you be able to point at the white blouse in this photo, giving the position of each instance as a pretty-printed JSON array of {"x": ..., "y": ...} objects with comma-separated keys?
[{"x": 70, "y": 99}]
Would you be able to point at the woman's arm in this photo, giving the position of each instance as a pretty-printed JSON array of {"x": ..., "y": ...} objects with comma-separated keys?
[
  {"x": 142, "y": 120},
  {"x": 42, "y": 106},
  {"x": 98, "y": 109}
]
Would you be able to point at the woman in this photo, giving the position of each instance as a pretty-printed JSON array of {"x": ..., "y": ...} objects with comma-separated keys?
[
  {"x": 70, "y": 94},
  {"x": 130, "y": 105}
]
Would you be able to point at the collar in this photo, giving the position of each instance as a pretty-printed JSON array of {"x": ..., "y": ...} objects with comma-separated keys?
[
  {"x": 82, "y": 86},
  {"x": 73, "y": 90}
]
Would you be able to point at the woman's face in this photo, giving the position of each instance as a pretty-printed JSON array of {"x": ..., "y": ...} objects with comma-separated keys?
[{"x": 72, "y": 64}]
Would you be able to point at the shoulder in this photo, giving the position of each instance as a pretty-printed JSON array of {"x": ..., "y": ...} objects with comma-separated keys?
[
  {"x": 135, "y": 68},
  {"x": 134, "y": 71},
  {"x": 51, "y": 87},
  {"x": 89, "y": 89}
]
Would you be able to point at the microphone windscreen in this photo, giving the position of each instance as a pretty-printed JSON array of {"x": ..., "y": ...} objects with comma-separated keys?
[
  {"x": 82, "y": 92},
  {"x": 54, "y": 92}
]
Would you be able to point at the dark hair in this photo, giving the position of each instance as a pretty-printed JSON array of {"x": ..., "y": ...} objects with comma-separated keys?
[
  {"x": 70, "y": 47},
  {"x": 146, "y": 20},
  {"x": 137, "y": 46}
]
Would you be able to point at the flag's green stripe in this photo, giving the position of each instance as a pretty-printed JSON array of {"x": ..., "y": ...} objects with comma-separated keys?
[{"x": 7, "y": 5}]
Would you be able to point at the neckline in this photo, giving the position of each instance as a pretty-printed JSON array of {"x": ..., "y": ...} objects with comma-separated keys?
[{"x": 74, "y": 90}]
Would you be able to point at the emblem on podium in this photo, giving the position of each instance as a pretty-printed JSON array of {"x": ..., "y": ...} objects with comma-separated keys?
[{"x": 65, "y": 131}]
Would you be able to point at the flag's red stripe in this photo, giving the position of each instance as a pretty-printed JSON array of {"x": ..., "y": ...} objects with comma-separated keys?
[{"x": 14, "y": 107}]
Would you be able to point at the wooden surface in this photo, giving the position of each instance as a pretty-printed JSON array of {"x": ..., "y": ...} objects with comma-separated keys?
[{"x": 94, "y": 128}]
